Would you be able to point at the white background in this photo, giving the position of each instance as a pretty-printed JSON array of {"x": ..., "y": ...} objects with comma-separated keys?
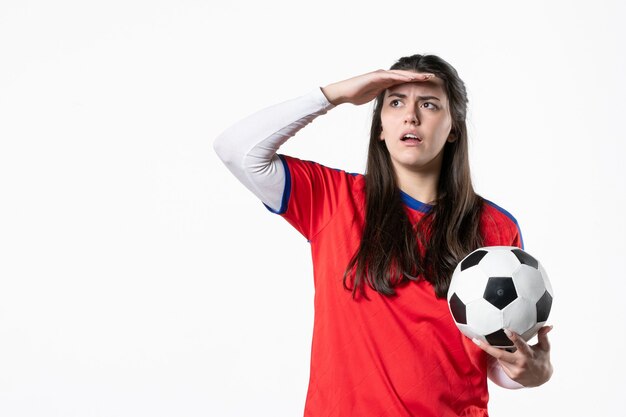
[{"x": 139, "y": 278}]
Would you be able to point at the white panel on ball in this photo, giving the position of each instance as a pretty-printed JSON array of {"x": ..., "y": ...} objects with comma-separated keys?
[
  {"x": 519, "y": 316},
  {"x": 546, "y": 280},
  {"x": 529, "y": 283},
  {"x": 472, "y": 286},
  {"x": 532, "y": 331},
  {"x": 469, "y": 332},
  {"x": 483, "y": 317},
  {"x": 499, "y": 262}
]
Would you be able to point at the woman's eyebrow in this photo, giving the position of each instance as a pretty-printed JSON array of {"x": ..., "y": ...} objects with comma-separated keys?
[{"x": 418, "y": 97}]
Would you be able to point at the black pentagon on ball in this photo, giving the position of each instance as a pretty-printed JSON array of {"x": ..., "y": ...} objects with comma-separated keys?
[
  {"x": 498, "y": 339},
  {"x": 500, "y": 291},
  {"x": 543, "y": 307},
  {"x": 525, "y": 259},
  {"x": 472, "y": 259},
  {"x": 457, "y": 307}
]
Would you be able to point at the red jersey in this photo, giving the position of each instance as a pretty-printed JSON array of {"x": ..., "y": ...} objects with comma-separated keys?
[{"x": 385, "y": 357}]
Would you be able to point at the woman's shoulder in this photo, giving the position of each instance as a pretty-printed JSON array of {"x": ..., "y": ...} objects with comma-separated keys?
[
  {"x": 498, "y": 226},
  {"x": 495, "y": 213}
]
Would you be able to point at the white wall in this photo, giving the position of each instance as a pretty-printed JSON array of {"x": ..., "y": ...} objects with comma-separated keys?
[{"x": 138, "y": 277}]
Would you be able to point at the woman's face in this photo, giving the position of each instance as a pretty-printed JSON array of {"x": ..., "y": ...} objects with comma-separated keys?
[{"x": 421, "y": 111}]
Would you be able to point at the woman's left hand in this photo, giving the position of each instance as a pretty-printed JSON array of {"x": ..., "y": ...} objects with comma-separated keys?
[{"x": 527, "y": 365}]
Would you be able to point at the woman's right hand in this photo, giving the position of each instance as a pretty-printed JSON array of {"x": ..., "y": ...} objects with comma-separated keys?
[{"x": 364, "y": 88}]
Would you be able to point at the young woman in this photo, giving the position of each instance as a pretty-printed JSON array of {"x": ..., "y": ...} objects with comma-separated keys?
[{"x": 384, "y": 245}]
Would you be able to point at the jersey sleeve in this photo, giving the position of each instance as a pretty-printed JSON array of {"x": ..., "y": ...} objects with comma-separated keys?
[{"x": 312, "y": 194}]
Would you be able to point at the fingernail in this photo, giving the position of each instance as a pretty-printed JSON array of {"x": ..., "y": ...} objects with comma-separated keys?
[
  {"x": 508, "y": 332},
  {"x": 476, "y": 341}
]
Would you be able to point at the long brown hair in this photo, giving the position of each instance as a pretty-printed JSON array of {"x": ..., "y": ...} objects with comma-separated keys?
[{"x": 389, "y": 254}]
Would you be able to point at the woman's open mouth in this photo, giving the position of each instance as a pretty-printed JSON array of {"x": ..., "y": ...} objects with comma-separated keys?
[{"x": 410, "y": 138}]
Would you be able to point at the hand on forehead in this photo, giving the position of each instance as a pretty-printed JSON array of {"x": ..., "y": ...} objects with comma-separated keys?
[{"x": 432, "y": 86}]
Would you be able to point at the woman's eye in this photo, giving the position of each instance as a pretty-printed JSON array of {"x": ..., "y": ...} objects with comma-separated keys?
[
  {"x": 394, "y": 103},
  {"x": 430, "y": 105}
]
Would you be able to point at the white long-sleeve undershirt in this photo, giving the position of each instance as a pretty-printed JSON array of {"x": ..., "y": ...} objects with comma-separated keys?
[
  {"x": 248, "y": 149},
  {"x": 497, "y": 375}
]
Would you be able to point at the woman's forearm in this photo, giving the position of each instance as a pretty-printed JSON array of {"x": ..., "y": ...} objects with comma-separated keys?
[{"x": 248, "y": 148}]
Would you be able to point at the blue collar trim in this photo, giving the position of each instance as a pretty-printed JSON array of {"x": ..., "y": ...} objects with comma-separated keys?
[{"x": 415, "y": 204}]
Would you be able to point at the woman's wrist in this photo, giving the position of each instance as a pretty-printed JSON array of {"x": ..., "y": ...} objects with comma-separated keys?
[{"x": 332, "y": 95}]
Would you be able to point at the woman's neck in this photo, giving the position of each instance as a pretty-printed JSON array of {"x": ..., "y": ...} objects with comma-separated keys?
[
  {"x": 423, "y": 189},
  {"x": 421, "y": 185}
]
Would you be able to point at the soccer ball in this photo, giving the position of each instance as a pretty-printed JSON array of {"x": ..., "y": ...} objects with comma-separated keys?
[{"x": 498, "y": 287}]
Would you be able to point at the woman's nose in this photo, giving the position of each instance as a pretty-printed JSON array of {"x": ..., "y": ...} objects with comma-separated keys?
[{"x": 411, "y": 117}]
